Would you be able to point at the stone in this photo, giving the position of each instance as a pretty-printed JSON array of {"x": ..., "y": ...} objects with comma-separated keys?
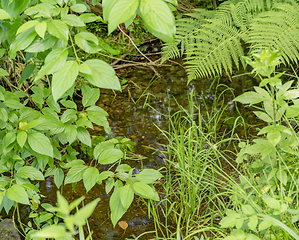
[{"x": 8, "y": 230}]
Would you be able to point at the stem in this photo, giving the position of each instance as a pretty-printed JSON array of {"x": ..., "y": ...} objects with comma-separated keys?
[{"x": 74, "y": 49}]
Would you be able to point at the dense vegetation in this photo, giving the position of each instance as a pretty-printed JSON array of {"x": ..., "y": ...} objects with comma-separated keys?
[{"x": 49, "y": 57}]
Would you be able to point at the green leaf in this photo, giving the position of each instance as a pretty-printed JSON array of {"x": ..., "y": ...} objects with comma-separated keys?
[
  {"x": 265, "y": 225},
  {"x": 263, "y": 116},
  {"x": 282, "y": 176},
  {"x": 30, "y": 172},
  {"x": 22, "y": 41},
  {"x": 120, "y": 12},
  {"x": 158, "y": 19},
  {"x": 103, "y": 75},
  {"x": 116, "y": 207},
  {"x": 109, "y": 185},
  {"x": 90, "y": 177},
  {"x": 247, "y": 209},
  {"x": 26, "y": 26},
  {"x": 84, "y": 136},
  {"x": 73, "y": 20},
  {"x": 90, "y": 95},
  {"x": 85, "y": 212},
  {"x": 250, "y": 98},
  {"x": 52, "y": 231},
  {"x": 291, "y": 94},
  {"x": 75, "y": 174},
  {"x": 253, "y": 221},
  {"x": 79, "y": 8},
  {"x": 292, "y": 111},
  {"x": 104, "y": 175},
  {"x": 107, "y": 6},
  {"x": 272, "y": 203},
  {"x": 3, "y": 114},
  {"x": 53, "y": 62},
  {"x": 144, "y": 190},
  {"x": 58, "y": 29},
  {"x": 68, "y": 104},
  {"x": 148, "y": 176},
  {"x": 64, "y": 79},
  {"x": 87, "y": 41},
  {"x": 21, "y": 138},
  {"x": 70, "y": 133},
  {"x": 17, "y": 193},
  {"x": 88, "y": 17},
  {"x": 4, "y": 15},
  {"x": 41, "y": 28},
  {"x": 126, "y": 196},
  {"x": 109, "y": 156},
  {"x": 34, "y": 123},
  {"x": 274, "y": 136},
  {"x": 27, "y": 71},
  {"x": 40, "y": 143},
  {"x": 99, "y": 118},
  {"x": 58, "y": 177},
  {"x": 40, "y": 45}
]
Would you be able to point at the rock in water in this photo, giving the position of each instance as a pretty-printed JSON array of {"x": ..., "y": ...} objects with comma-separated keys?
[{"x": 8, "y": 231}]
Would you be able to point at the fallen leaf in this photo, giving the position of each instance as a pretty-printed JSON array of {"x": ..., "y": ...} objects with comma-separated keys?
[{"x": 123, "y": 225}]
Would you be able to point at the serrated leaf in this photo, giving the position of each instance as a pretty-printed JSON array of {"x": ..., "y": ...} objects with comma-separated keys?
[
  {"x": 40, "y": 143},
  {"x": 17, "y": 193},
  {"x": 64, "y": 78},
  {"x": 145, "y": 191},
  {"x": 30, "y": 172},
  {"x": 90, "y": 177}
]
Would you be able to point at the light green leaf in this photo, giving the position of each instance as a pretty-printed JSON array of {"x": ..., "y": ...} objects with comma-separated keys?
[
  {"x": 84, "y": 136},
  {"x": 53, "y": 62},
  {"x": 107, "y": 6},
  {"x": 292, "y": 111},
  {"x": 265, "y": 225},
  {"x": 247, "y": 209},
  {"x": 120, "y": 12},
  {"x": 103, "y": 75},
  {"x": 88, "y": 17},
  {"x": 26, "y": 26},
  {"x": 126, "y": 196},
  {"x": 144, "y": 190},
  {"x": 79, "y": 8},
  {"x": 85, "y": 212},
  {"x": 250, "y": 98},
  {"x": 58, "y": 177},
  {"x": 34, "y": 123},
  {"x": 70, "y": 133},
  {"x": 4, "y": 15},
  {"x": 40, "y": 45},
  {"x": 64, "y": 78},
  {"x": 104, "y": 175},
  {"x": 17, "y": 193},
  {"x": 282, "y": 176},
  {"x": 58, "y": 29},
  {"x": 87, "y": 41},
  {"x": 158, "y": 19},
  {"x": 3, "y": 72},
  {"x": 90, "y": 177},
  {"x": 21, "y": 138},
  {"x": 109, "y": 185},
  {"x": 40, "y": 143},
  {"x": 291, "y": 94},
  {"x": 253, "y": 221},
  {"x": 116, "y": 207},
  {"x": 73, "y": 20},
  {"x": 22, "y": 41},
  {"x": 148, "y": 176},
  {"x": 3, "y": 114},
  {"x": 41, "y": 28},
  {"x": 75, "y": 174},
  {"x": 52, "y": 231},
  {"x": 274, "y": 136},
  {"x": 272, "y": 203},
  {"x": 30, "y": 172},
  {"x": 109, "y": 156},
  {"x": 90, "y": 95},
  {"x": 263, "y": 116}
]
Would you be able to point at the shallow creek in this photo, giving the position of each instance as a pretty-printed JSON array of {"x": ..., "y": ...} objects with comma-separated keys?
[{"x": 137, "y": 121}]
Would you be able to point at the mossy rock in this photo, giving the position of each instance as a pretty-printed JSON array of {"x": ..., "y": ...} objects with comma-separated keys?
[{"x": 8, "y": 231}]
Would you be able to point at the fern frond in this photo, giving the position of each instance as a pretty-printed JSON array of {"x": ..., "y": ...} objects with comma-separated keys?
[
  {"x": 218, "y": 46},
  {"x": 278, "y": 29}
]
